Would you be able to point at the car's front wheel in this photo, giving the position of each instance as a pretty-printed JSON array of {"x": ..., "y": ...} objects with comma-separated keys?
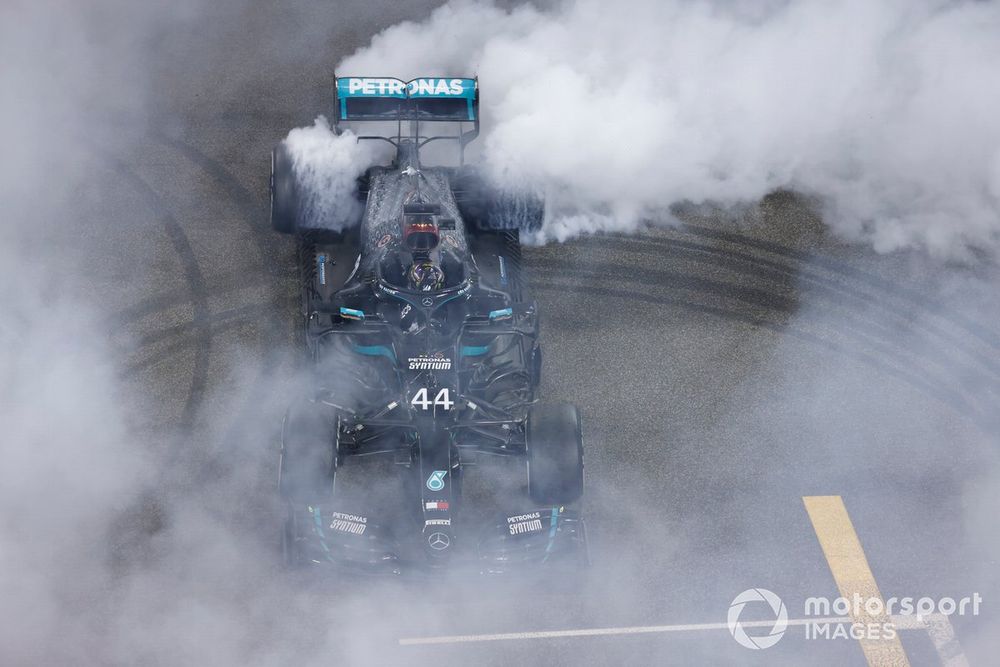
[
  {"x": 289, "y": 549},
  {"x": 284, "y": 192},
  {"x": 308, "y": 457},
  {"x": 555, "y": 454}
]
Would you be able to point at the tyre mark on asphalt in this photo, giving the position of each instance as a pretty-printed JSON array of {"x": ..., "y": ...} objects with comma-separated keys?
[
  {"x": 266, "y": 241},
  {"x": 158, "y": 303},
  {"x": 665, "y": 278},
  {"x": 249, "y": 210},
  {"x": 185, "y": 328},
  {"x": 927, "y": 378},
  {"x": 250, "y": 213},
  {"x": 990, "y": 338},
  {"x": 726, "y": 290},
  {"x": 220, "y": 323},
  {"x": 197, "y": 292},
  {"x": 986, "y": 422},
  {"x": 812, "y": 282}
]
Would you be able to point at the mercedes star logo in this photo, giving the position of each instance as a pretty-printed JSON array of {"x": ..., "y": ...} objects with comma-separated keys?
[
  {"x": 439, "y": 541},
  {"x": 428, "y": 301}
]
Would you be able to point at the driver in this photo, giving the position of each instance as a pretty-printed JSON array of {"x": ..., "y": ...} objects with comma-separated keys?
[
  {"x": 420, "y": 236},
  {"x": 425, "y": 276}
]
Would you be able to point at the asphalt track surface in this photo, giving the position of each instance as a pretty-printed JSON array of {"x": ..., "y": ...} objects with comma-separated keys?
[{"x": 725, "y": 368}]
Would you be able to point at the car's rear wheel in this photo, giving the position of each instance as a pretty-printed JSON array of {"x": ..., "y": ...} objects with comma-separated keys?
[
  {"x": 486, "y": 207},
  {"x": 308, "y": 456},
  {"x": 555, "y": 454}
]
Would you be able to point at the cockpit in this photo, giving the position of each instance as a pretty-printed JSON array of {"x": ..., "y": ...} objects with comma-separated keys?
[
  {"x": 421, "y": 263},
  {"x": 405, "y": 271}
]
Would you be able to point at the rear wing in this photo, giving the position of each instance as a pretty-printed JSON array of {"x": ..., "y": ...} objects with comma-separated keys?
[
  {"x": 427, "y": 99},
  {"x": 424, "y": 99}
]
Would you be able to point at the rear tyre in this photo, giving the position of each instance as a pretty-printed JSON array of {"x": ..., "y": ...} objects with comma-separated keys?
[
  {"x": 555, "y": 454},
  {"x": 487, "y": 208},
  {"x": 510, "y": 209},
  {"x": 308, "y": 458}
]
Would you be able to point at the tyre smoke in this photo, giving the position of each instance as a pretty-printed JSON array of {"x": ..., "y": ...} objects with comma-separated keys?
[
  {"x": 885, "y": 111},
  {"x": 131, "y": 534},
  {"x": 327, "y": 167}
]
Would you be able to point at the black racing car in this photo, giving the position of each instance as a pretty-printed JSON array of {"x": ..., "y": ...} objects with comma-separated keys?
[{"x": 424, "y": 353}]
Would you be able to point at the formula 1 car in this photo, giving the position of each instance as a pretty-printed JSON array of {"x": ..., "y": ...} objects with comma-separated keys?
[{"x": 424, "y": 352}]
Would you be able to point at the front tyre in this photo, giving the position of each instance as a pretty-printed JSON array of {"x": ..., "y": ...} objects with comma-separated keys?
[
  {"x": 308, "y": 457},
  {"x": 289, "y": 549},
  {"x": 285, "y": 193},
  {"x": 555, "y": 454}
]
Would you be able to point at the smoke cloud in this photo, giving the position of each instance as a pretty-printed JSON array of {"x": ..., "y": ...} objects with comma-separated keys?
[
  {"x": 68, "y": 467},
  {"x": 327, "y": 166},
  {"x": 130, "y": 534},
  {"x": 884, "y": 111}
]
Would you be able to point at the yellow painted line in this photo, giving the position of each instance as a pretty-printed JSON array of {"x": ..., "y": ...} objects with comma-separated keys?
[{"x": 854, "y": 578}]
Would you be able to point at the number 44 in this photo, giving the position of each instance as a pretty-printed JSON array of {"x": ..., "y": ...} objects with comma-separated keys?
[{"x": 443, "y": 399}]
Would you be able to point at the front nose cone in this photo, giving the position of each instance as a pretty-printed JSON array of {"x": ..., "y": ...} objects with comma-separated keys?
[{"x": 438, "y": 542}]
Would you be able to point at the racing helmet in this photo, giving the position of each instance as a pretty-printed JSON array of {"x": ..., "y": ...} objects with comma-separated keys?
[
  {"x": 420, "y": 233},
  {"x": 426, "y": 276}
]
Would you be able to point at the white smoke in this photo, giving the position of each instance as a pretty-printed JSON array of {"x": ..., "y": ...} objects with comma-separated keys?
[
  {"x": 327, "y": 167},
  {"x": 885, "y": 110},
  {"x": 68, "y": 466},
  {"x": 93, "y": 573}
]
